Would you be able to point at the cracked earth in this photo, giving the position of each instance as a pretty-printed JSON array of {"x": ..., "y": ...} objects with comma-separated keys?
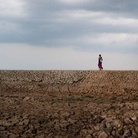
[{"x": 69, "y": 104}]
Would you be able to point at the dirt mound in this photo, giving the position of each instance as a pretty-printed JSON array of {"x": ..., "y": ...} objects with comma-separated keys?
[{"x": 69, "y": 104}]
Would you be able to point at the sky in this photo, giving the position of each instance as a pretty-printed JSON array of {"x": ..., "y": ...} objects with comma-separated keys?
[{"x": 68, "y": 34}]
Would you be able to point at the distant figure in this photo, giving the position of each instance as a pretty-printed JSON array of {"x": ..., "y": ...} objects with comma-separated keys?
[{"x": 100, "y": 60}]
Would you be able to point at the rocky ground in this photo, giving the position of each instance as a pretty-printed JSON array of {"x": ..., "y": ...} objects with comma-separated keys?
[{"x": 69, "y": 104}]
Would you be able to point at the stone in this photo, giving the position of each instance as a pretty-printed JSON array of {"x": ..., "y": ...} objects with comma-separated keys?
[
  {"x": 97, "y": 127},
  {"x": 2, "y": 128},
  {"x": 5, "y": 123},
  {"x": 120, "y": 131},
  {"x": 99, "y": 119},
  {"x": 127, "y": 133},
  {"x": 136, "y": 129},
  {"x": 103, "y": 135},
  {"x": 26, "y": 98},
  {"x": 113, "y": 133},
  {"x": 134, "y": 118},
  {"x": 108, "y": 124},
  {"x": 117, "y": 123},
  {"x": 88, "y": 136},
  {"x": 134, "y": 135},
  {"x": 25, "y": 122},
  {"x": 127, "y": 120}
]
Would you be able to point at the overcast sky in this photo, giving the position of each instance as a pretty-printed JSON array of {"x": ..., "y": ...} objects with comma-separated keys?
[{"x": 68, "y": 34}]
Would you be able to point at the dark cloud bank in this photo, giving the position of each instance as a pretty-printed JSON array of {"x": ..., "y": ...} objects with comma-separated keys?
[{"x": 53, "y": 24}]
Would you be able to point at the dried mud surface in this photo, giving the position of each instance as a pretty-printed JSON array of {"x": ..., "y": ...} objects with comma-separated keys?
[{"x": 68, "y": 104}]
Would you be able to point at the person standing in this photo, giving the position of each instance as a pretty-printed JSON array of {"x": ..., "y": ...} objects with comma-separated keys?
[{"x": 100, "y": 60}]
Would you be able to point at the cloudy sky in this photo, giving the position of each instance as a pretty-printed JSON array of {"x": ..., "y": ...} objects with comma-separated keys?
[{"x": 68, "y": 34}]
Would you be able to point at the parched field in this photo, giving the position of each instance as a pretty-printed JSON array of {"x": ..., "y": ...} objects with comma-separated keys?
[{"x": 68, "y": 104}]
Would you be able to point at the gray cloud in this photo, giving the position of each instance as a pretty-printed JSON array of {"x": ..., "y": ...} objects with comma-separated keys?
[
  {"x": 123, "y": 7},
  {"x": 60, "y": 24}
]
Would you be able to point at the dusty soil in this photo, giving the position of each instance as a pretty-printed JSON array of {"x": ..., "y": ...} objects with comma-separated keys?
[{"x": 69, "y": 104}]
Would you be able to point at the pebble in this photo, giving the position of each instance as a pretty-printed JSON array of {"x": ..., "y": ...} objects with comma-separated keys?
[{"x": 103, "y": 135}]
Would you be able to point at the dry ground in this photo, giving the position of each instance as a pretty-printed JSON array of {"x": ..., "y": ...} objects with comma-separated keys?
[{"x": 69, "y": 104}]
